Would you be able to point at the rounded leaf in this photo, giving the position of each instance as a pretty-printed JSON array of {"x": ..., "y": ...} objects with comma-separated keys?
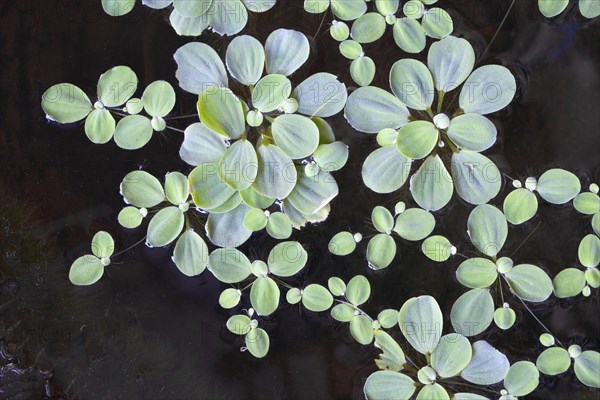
[
  {"x": 358, "y": 290},
  {"x": 489, "y": 89},
  {"x": 589, "y": 8},
  {"x": 116, "y": 86},
  {"x": 477, "y": 273},
  {"x": 437, "y": 248},
  {"x": 207, "y": 189},
  {"x": 238, "y": 167},
  {"x": 200, "y": 145},
  {"x": 133, "y": 132},
  {"x": 296, "y": 135},
  {"x": 529, "y": 282},
  {"x": 487, "y": 367},
  {"x": 587, "y": 203},
  {"x": 385, "y": 170},
  {"x": 473, "y": 312},
  {"x": 589, "y": 251},
  {"x": 361, "y": 329},
  {"x": 66, "y": 103},
  {"x": 437, "y": 23},
  {"x": 245, "y": 59},
  {"x": 558, "y": 186},
  {"x": 476, "y": 177},
  {"x": 421, "y": 323},
  {"x": 264, "y": 296},
  {"x": 142, "y": 189},
  {"x": 191, "y": 256},
  {"x": 553, "y": 361},
  {"x": 504, "y": 318},
  {"x": 409, "y": 35},
  {"x": 416, "y": 139},
  {"x": 522, "y": 378},
  {"x": 165, "y": 226},
  {"x": 569, "y": 283},
  {"x": 414, "y": 224},
  {"x": 239, "y": 324},
  {"x": 331, "y": 156},
  {"x": 286, "y": 50},
  {"x": 368, "y": 28},
  {"x": 86, "y": 270},
  {"x": 520, "y": 206},
  {"x": 389, "y": 385},
  {"x": 412, "y": 83},
  {"x": 271, "y": 92},
  {"x": 227, "y": 229},
  {"x": 382, "y": 219},
  {"x": 257, "y": 342},
  {"x": 487, "y": 229},
  {"x": 130, "y": 217},
  {"x": 342, "y": 244},
  {"x": 222, "y": 111},
  {"x": 316, "y": 298},
  {"x": 99, "y": 126},
  {"x": 321, "y": 95},
  {"x": 279, "y": 226},
  {"x": 199, "y": 67},
  {"x": 587, "y": 368},
  {"x": 230, "y": 298},
  {"x": 371, "y": 109},
  {"x": 472, "y": 132},
  {"x": 313, "y": 193},
  {"x": 450, "y": 61},
  {"x": 381, "y": 251},
  {"x": 158, "y": 98},
  {"x": 229, "y": 265},
  {"x": 103, "y": 245},
  {"x": 431, "y": 187},
  {"x": 551, "y": 8},
  {"x": 452, "y": 355},
  {"x": 342, "y": 312},
  {"x": 287, "y": 259}
]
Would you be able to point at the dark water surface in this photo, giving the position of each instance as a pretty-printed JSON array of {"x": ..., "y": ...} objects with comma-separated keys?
[{"x": 147, "y": 332}]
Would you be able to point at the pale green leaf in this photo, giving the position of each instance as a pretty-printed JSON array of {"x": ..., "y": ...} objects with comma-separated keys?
[
  {"x": 296, "y": 135},
  {"x": 487, "y": 367},
  {"x": 437, "y": 248},
  {"x": 311, "y": 194},
  {"x": 489, "y": 89},
  {"x": 159, "y": 98},
  {"x": 522, "y": 378},
  {"x": 437, "y": 23},
  {"x": 391, "y": 357},
  {"x": 245, "y": 59},
  {"x": 321, "y": 95},
  {"x": 117, "y": 8},
  {"x": 336, "y": 286},
  {"x": 86, "y": 270},
  {"x": 133, "y": 132},
  {"x": 504, "y": 317},
  {"x": 66, "y": 103},
  {"x": 293, "y": 296},
  {"x": 382, "y": 219},
  {"x": 368, "y": 28},
  {"x": 255, "y": 220},
  {"x": 587, "y": 368},
  {"x": 227, "y": 17},
  {"x": 271, "y": 92},
  {"x": 472, "y": 131},
  {"x": 388, "y": 318},
  {"x": 520, "y": 206},
  {"x": 553, "y": 361},
  {"x": 385, "y": 170},
  {"x": 165, "y": 226},
  {"x": 277, "y": 175},
  {"x": 361, "y": 329},
  {"x": 316, "y": 298},
  {"x": 342, "y": 244},
  {"x": 477, "y": 273},
  {"x": 371, "y": 109},
  {"x": 351, "y": 49},
  {"x": 100, "y": 126},
  {"x": 142, "y": 189},
  {"x": 176, "y": 188},
  {"x": 207, "y": 188},
  {"x": 417, "y": 139},
  {"x": 192, "y": 8},
  {"x": 229, "y": 265},
  {"x": 130, "y": 217},
  {"x": 287, "y": 259},
  {"x": 387, "y": 7},
  {"x": 230, "y": 204},
  {"x": 529, "y": 282},
  {"x": 362, "y": 70},
  {"x": 279, "y": 226},
  {"x": 381, "y": 251},
  {"x": 256, "y": 200},
  {"x": 238, "y": 166},
  {"x": 473, "y": 312},
  {"x": 358, "y": 290},
  {"x": 452, "y": 355},
  {"x": 199, "y": 67},
  {"x": 103, "y": 245},
  {"x": 238, "y": 324},
  {"x": 569, "y": 283},
  {"x": 414, "y": 224},
  {"x": 342, "y": 312},
  {"x": 551, "y": 8},
  {"x": 476, "y": 177},
  {"x": 188, "y": 26},
  {"x": 409, "y": 35},
  {"x": 587, "y": 203},
  {"x": 286, "y": 50},
  {"x": 431, "y": 187},
  {"x": 389, "y": 385},
  {"x": 259, "y": 6},
  {"x": 421, "y": 323},
  {"x": 433, "y": 391},
  {"x": 230, "y": 298},
  {"x": 200, "y": 145},
  {"x": 450, "y": 61},
  {"x": 227, "y": 229},
  {"x": 488, "y": 229},
  {"x": 116, "y": 86},
  {"x": 589, "y": 251},
  {"x": 221, "y": 111},
  {"x": 191, "y": 254},
  {"x": 589, "y": 8},
  {"x": 331, "y": 156},
  {"x": 412, "y": 83},
  {"x": 264, "y": 296},
  {"x": 257, "y": 342},
  {"x": 558, "y": 186},
  {"x": 348, "y": 10}
]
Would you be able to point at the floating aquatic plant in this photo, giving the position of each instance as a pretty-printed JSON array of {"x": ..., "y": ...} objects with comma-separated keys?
[
  {"x": 193, "y": 17},
  {"x": 552, "y": 8},
  {"x": 410, "y": 30},
  {"x": 66, "y": 103},
  {"x": 407, "y": 136}
]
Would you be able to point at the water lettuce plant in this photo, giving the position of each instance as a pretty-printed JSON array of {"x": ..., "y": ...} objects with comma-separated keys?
[
  {"x": 552, "y": 8},
  {"x": 265, "y": 144},
  {"x": 262, "y": 154},
  {"x": 412, "y": 24},
  {"x": 452, "y": 136},
  {"x": 193, "y": 17},
  {"x": 65, "y": 103}
]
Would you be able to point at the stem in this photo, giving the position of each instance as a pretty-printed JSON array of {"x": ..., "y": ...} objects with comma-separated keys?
[
  {"x": 130, "y": 247},
  {"x": 356, "y": 308},
  {"x": 449, "y": 143},
  {"x": 181, "y": 117},
  {"x": 441, "y": 95},
  {"x": 499, "y": 27},
  {"x": 430, "y": 113}
]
